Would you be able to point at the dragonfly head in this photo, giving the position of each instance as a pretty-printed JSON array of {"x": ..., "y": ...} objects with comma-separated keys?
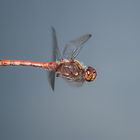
[{"x": 90, "y": 74}]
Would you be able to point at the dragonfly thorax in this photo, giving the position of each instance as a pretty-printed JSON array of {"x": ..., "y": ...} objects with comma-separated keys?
[{"x": 71, "y": 69}]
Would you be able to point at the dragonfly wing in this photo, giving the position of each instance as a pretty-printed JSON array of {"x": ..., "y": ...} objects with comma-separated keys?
[
  {"x": 73, "y": 48},
  {"x": 55, "y": 55},
  {"x": 56, "y": 52},
  {"x": 51, "y": 78},
  {"x": 74, "y": 83}
]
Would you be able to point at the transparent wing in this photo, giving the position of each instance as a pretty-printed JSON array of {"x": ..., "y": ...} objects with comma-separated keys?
[
  {"x": 56, "y": 52},
  {"x": 74, "y": 83},
  {"x": 55, "y": 55},
  {"x": 73, "y": 48}
]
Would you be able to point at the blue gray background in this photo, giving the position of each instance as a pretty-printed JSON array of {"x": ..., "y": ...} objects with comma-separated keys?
[{"x": 107, "y": 109}]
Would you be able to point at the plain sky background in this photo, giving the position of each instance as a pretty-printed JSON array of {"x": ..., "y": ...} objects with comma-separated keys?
[{"x": 106, "y": 109}]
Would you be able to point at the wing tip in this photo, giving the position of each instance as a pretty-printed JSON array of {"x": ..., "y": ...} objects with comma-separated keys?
[
  {"x": 90, "y": 35},
  {"x": 53, "y": 29},
  {"x": 52, "y": 86}
]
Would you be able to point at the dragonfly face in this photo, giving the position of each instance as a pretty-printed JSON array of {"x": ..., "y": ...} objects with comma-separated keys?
[{"x": 90, "y": 74}]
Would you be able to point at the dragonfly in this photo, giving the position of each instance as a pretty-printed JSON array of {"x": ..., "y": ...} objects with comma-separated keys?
[{"x": 62, "y": 65}]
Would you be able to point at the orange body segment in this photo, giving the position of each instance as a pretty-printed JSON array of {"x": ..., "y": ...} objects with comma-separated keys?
[{"x": 45, "y": 65}]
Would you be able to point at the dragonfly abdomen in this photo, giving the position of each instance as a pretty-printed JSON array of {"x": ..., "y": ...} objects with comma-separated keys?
[
  {"x": 20, "y": 63},
  {"x": 51, "y": 66}
]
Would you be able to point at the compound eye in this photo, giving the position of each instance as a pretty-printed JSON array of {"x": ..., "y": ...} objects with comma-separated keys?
[{"x": 90, "y": 74}]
